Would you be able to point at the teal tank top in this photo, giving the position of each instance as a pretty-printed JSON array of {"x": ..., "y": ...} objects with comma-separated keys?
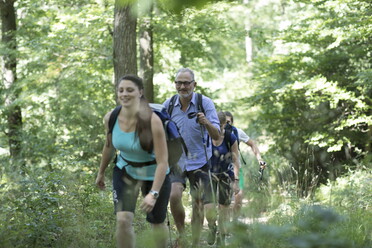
[{"x": 130, "y": 148}]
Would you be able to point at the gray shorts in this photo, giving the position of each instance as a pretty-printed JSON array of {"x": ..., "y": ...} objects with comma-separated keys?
[{"x": 200, "y": 187}]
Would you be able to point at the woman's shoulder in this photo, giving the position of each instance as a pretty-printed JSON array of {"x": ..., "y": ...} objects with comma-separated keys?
[
  {"x": 107, "y": 115},
  {"x": 155, "y": 119}
]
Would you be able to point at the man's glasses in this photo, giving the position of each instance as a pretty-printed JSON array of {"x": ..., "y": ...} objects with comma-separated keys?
[{"x": 185, "y": 83}]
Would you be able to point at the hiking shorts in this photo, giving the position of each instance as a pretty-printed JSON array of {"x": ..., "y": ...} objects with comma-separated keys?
[
  {"x": 126, "y": 191},
  {"x": 200, "y": 187},
  {"x": 222, "y": 185},
  {"x": 176, "y": 175}
]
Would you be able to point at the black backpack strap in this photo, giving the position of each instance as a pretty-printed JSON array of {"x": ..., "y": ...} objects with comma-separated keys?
[
  {"x": 241, "y": 156},
  {"x": 200, "y": 108},
  {"x": 111, "y": 124},
  {"x": 113, "y": 117},
  {"x": 139, "y": 164},
  {"x": 199, "y": 103},
  {"x": 235, "y": 131},
  {"x": 172, "y": 102},
  {"x": 227, "y": 139}
]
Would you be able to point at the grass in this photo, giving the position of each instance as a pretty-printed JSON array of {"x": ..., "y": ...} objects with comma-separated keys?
[{"x": 64, "y": 209}]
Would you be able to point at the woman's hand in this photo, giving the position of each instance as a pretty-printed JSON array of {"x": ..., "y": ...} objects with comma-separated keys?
[
  {"x": 100, "y": 181},
  {"x": 148, "y": 203}
]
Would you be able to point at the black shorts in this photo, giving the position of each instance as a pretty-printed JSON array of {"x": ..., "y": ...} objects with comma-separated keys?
[
  {"x": 222, "y": 186},
  {"x": 126, "y": 190}
]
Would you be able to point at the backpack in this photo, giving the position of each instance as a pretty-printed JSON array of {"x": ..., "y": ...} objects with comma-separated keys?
[
  {"x": 228, "y": 141},
  {"x": 199, "y": 107},
  {"x": 174, "y": 140},
  {"x": 228, "y": 130}
]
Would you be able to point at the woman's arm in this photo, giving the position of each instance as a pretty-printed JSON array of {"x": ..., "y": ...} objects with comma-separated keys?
[
  {"x": 107, "y": 154},
  {"x": 161, "y": 155},
  {"x": 160, "y": 150}
]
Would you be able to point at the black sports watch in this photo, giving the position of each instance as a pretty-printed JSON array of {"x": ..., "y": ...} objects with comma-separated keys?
[{"x": 154, "y": 193}]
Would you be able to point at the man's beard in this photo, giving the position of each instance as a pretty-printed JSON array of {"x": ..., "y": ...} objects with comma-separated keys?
[{"x": 185, "y": 95}]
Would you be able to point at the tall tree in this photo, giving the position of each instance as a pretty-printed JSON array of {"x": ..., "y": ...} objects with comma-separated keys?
[
  {"x": 147, "y": 54},
  {"x": 125, "y": 36},
  {"x": 9, "y": 43}
]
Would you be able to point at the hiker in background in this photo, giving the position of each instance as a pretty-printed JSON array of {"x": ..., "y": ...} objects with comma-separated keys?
[
  {"x": 243, "y": 137},
  {"x": 225, "y": 179},
  {"x": 186, "y": 109},
  {"x": 139, "y": 136}
]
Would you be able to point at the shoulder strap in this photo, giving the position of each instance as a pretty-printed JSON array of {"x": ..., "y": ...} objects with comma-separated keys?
[
  {"x": 172, "y": 101},
  {"x": 200, "y": 108},
  {"x": 113, "y": 117},
  {"x": 235, "y": 131},
  {"x": 199, "y": 102},
  {"x": 227, "y": 139},
  {"x": 111, "y": 124}
]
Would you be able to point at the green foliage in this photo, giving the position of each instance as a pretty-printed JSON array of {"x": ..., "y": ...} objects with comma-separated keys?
[
  {"x": 352, "y": 191},
  {"x": 212, "y": 35},
  {"x": 307, "y": 91},
  {"x": 177, "y": 6},
  {"x": 315, "y": 99},
  {"x": 65, "y": 72},
  {"x": 49, "y": 210},
  {"x": 309, "y": 227},
  {"x": 209, "y": 40}
]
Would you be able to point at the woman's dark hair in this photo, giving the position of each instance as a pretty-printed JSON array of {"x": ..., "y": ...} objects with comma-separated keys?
[
  {"x": 143, "y": 127},
  {"x": 227, "y": 113},
  {"x": 221, "y": 117},
  {"x": 133, "y": 78}
]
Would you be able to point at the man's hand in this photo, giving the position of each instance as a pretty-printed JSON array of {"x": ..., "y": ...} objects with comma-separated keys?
[
  {"x": 262, "y": 168},
  {"x": 262, "y": 164},
  {"x": 202, "y": 119}
]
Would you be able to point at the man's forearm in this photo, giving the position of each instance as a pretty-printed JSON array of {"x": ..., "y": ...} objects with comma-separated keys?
[
  {"x": 213, "y": 131},
  {"x": 255, "y": 149}
]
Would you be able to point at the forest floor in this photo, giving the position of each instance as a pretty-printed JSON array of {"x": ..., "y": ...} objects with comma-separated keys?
[{"x": 262, "y": 218}]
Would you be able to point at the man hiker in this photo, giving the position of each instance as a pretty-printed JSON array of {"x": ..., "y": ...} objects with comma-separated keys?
[{"x": 196, "y": 118}]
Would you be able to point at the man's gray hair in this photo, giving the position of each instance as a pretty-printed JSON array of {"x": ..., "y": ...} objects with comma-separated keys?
[{"x": 186, "y": 70}]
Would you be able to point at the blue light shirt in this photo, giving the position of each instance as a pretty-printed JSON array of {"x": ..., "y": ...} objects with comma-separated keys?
[
  {"x": 191, "y": 133},
  {"x": 130, "y": 148}
]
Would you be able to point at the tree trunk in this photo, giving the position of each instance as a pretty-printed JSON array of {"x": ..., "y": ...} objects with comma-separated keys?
[
  {"x": 14, "y": 114},
  {"x": 125, "y": 35},
  {"x": 248, "y": 39},
  {"x": 147, "y": 56}
]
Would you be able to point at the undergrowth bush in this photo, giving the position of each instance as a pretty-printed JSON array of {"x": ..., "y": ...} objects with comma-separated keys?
[
  {"x": 338, "y": 216},
  {"x": 63, "y": 208},
  {"x": 58, "y": 208},
  {"x": 310, "y": 227},
  {"x": 351, "y": 192}
]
